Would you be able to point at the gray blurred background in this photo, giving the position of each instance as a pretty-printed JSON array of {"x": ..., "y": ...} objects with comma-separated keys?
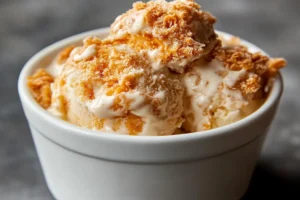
[{"x": 27, "y": 26}]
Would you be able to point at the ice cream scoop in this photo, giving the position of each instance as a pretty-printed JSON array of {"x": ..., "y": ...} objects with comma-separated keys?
[
  {"x": 174, "y": 33},
  {"x": 228, "y": 88},
  {"x": 113, "y": 88}
]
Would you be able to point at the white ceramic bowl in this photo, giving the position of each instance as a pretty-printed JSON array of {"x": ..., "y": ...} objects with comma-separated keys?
[{"x": 82, "y": 164}]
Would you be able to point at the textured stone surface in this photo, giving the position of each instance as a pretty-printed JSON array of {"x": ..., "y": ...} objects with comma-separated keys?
[{"x": 29, "y": 25}]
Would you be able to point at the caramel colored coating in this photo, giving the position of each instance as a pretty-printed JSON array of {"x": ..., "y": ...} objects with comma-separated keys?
[
  {"x": 134, "y": 124},
  {"x": 39, "y": 84},
  {"x": 262, "y": 67},
  {"x": 64, "y": 54}
]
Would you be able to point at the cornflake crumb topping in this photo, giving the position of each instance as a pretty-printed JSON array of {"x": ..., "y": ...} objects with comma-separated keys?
[
  {"x": 180, "y": 30},
  {"x": 259, "y": 68},
  {"x": 39, "y": 84},
  {"x": 132, "y": 81}
]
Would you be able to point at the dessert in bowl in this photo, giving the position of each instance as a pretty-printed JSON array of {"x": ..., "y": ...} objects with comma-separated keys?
[{"x": 159, "y": 106}]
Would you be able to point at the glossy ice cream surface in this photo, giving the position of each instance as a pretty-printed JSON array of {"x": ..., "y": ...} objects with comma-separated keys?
[{"x": 162, "y": 70}]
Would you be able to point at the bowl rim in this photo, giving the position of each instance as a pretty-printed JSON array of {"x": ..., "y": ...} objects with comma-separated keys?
[{"x": 30, "y": 103}]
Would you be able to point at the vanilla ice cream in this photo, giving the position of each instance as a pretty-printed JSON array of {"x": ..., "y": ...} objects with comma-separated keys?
[
  {"x": 174, "y": 33},
  {"x": 226, "y": 89},
  {"x": 113, "y": 88},
  {"x": 162, "y": 70}
]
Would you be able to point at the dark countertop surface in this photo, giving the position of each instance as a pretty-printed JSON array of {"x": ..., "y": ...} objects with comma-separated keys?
[{"x": 29, "y": 25}]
